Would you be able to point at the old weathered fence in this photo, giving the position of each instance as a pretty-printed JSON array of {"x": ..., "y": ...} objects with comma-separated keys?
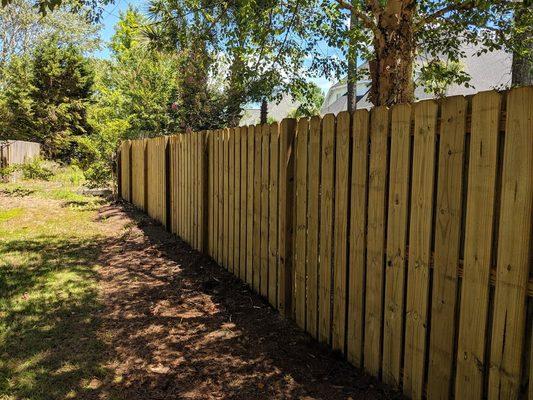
[
  {"x": 401, "y": 237},
  {"x": 17, "y": 152}
]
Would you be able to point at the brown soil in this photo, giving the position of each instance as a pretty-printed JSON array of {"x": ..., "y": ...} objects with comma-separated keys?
[{"x": 181, "y": 327}]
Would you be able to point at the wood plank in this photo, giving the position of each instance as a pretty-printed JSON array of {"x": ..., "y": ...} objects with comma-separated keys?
[
  {"x": 447, "y": 246},
  {"x": 150, "y": 172},
  {"x": 300, "y": 234},
  {"x": 221, "y": 197},
  {"x": 163, "y": 194},
  {"x": 264, "y": 230},
  {"x": 204, "y": 210},
  {"x": 273, "y": 216},
  {"x": 326, "y": 228},
  {"x": 179, "y": 150},
  {"x": 478, "y": 245},
  {"x": 530, "y": 396},
  {"x": 198, "y": 189},
  {"x": 171, "y": 221},
  {"x": 357, "y": 262},
  {"x": 216, "y": 172},
  {"x": 194, "y": 189},
  {"x": 237, "y": 205},
  {"x": 190, "y": 188},
  {"x": 340, "y": 262},
  {"x": 187, "y": 176},
  {"x": 225, "y": 235},
  {"x": 231, "y": 199},
  {"x": 420, "y": 235},
  {"x": 514, "y": 241},
  {"x": 135, "y": 173},
  {"x": 285, "y": 228},
  {"x": 162, "y": 179},
  {"x": 182, "y": 187},
  {"x": 250, "y": 204},
  {"x": 397, "y": 223},
  {"x": 313, "y": 197},
  {"x": 243, "y": 198},
  {"x": 174, "y": 183},
  {"x": 257, "y": 210},
  {"x": 377, "y": 189},
  {"x": 210, "y": 183}
]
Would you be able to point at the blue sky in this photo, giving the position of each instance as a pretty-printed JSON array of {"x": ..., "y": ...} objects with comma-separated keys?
[{"x": 110, "y": 17}]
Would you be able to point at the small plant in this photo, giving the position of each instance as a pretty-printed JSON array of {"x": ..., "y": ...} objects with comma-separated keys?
[
  {"x": 17, "y": 191},
  {"x": 36, "y": 169},
  {"x": 70, "y": 175},
  {"x": 6, "y": 172},
  {"x": 98, "y": 175}
]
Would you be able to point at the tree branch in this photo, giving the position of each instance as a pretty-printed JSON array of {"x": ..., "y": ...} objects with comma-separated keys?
[
  {"x": 365, "y": 19},
  {"x": 460, "y": 6}
]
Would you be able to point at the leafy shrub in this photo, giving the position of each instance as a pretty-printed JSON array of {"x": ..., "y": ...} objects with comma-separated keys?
[
  {"x": 17, "y": 191},
  {"x": 98, "y": 174},
  {"x": 36, "y": 169},
  {"x": 6, "y": 172},
  {"x": 70, "y": 175}
]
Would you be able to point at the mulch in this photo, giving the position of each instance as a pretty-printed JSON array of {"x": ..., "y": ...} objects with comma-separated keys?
[{"x": 179, "y": 326}]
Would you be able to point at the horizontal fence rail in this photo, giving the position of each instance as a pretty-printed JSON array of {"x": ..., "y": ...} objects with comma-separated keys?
[{"x": 400, "y": 237}]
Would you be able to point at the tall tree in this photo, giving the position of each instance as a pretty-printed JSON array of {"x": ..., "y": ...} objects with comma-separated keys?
[
  {"x": 22, "y": 28},
  {"x": 145, "y": 80},
  {"x": 261, "y": 42},
  {"x": 62, "y": 82},
  {"x": 522, "y": 70},
  {"x": 94, "y": 8},
  {"x": 351, "y": 83},
  {"x": 401, "y": 29}
]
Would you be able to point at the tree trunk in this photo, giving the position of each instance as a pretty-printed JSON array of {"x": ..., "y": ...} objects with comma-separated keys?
[
  {"x": 352, "y": 67},
  {"x": 394, "y": 47},
  {"x": 235, "y": 96},
  {"x": 522, "y": 69},
  {"x": 264, "y": 111}
]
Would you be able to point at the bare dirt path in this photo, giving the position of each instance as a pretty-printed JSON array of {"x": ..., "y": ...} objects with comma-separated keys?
[{"x": 181, "y": 327}]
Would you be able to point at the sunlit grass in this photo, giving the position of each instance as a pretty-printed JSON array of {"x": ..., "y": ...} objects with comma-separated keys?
[
  {"x": 49, "y": 248},
  {"x": 6, "y": 215}
]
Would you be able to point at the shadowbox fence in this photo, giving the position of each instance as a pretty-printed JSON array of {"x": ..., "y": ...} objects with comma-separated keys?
[{"x": 400, "y": 237}]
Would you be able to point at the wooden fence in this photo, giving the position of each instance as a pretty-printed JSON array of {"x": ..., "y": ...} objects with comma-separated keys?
[
  {"x": 400, "y": 237},
  {"x": 17, "y": 152}
]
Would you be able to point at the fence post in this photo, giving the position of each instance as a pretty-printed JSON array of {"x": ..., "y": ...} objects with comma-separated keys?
[
  {"x": 168, "y": 187},
  {"x": 119, "y": 172},
  {"x": 130, "y": 174},
  {"x": 286, "y": 205},
  {"x": 204, "y": 179},
  {"x": 145, "y": 175}
]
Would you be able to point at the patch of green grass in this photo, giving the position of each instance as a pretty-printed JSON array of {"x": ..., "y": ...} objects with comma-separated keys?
[
  {"x": 71, "y": 175},
  {"x": 49, "y": 307},
  {"x": 6, "y": 215}
]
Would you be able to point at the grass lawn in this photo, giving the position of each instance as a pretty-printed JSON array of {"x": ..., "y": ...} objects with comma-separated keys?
[{"x": 50, "y": 242}]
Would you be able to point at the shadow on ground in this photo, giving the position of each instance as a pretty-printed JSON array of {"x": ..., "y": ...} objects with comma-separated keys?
[
  {"x": 49, "y": 307},
  {"x": 181, "y": 327}
]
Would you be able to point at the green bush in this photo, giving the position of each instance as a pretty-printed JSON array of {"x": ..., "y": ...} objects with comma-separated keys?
[
  {"x": 70, "y": 175},
  {"x": 5, "y": 172},
  {"x": 98, "y": 175},
  {"x": 36, "y": 169}
]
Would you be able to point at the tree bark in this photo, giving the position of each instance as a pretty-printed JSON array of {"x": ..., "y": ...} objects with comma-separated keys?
[
  {"x": 522, "y": 68},
  {"x": 352, "y": 66},
  {"x": 392, "y": 68},
  {"x": 264, "y": 111}
]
